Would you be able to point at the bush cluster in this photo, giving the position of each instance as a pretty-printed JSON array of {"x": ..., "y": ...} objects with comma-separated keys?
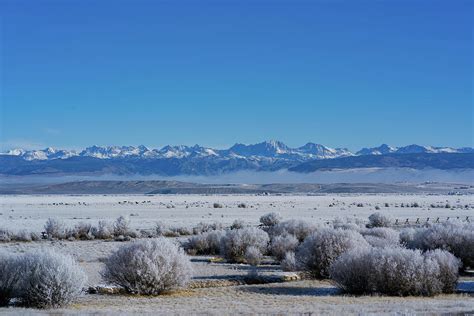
[
  {"x": 208, "y": 243},
  {"x": 282, "y": 244},
  {"x": 318, "y": 251},
  {"x": 21, "y": 235},
  {"x": 298, "y": 228},
  {"x": 381, "y": 237},
  {"x": 120, "y": 230},
  {"x": 395, "y": 271},
  {"x": 454, "y": 236},
  {"x": 235, "y": 242}
]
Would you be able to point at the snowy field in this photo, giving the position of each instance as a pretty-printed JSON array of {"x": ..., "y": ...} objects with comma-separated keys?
[
  {"x": 31, "y": 211},
  {"x": 303, "y": 296}
]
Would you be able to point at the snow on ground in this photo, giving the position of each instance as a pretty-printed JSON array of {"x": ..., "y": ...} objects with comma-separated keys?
[
  {"x": 307, "y": 296},
  {"x": 31, "y": 211}
]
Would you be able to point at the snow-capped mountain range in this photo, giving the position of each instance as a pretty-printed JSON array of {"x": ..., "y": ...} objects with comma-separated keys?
[
  {"x": 264, "y": 150},
  {"x": 203, "y": 161}
]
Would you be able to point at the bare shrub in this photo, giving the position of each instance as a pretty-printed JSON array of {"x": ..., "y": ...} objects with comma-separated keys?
[
  {"x": 235, "y": 242},
  {"x": 319, "y": 250},
  {"x": 122, "y": 226},
  {"x": 49, "y": 279},
  {"x": 270, "y": 219},
  {"x": 217, "y": 205},
  {"x": 289, "y": 262},
  {"x": 253, "y": 256},
  {"x": 148, "y": 267},
  {"x": 55, "y": 229},
  {"x": 205, "y": 244},
  {"x": 382, "y": 237},
  {"x": 380, "y": 220},
  {"x": 393, "y": 271},
  {"x": 9, "y": 276},
  {"x": 298, "y": 228},
  {"x": 282, "y": 244}
]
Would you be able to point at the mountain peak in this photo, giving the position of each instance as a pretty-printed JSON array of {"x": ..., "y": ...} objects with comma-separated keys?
[{"x": 269, "y": 150}]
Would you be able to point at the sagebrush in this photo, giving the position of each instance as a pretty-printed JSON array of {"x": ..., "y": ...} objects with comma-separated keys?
[
  {"x": 148, "y": 267},
  {"x": 395, "y": 271}
]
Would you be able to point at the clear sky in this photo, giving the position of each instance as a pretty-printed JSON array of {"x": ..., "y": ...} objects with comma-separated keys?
[{"x": 341, "y": 73}]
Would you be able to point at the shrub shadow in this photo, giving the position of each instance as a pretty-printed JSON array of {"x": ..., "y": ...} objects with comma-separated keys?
[{"x": 295, "y": 291}]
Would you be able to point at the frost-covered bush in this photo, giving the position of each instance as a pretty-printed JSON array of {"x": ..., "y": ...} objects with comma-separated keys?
[
  {"x": 394, "y": 271},
  {"x": 348, "y": 223},
  {"x": 410, "y": 237},
  {"x": 382, "y": 237},
  {"x": 161, "y": 229},
  {"x": 206, "y": 227},
  {"x": 5, "y": 235},
  {"x": 102, "y": 231},
  {"x": 282, "y": 244},
  {"x": 454, "y": 236},
  {"x": 48, "y": 279},
  {"x": 298, "y": 228},
  {"x": 270, "y": 219},
  {"x": 83, "y": 231},
  {"x": 253, "y": 256},
  {"x": 122, "y": 226},
  {"x": 55, "y": 229},
  {"x": 24, "y": 235},
  {"x": 352, "y": 273},
  {"x": 205, "y": 244},
  {"x": 237, "y": 224},
  {"x": 448, "y": 268},
  {"x": 289, "y": 262},
  {"x": 182, "y": 230},
  {"x": 236, "y": 241},
  {"x": 148, "y": 267},
  {"x": 380, "y": 220},
  {"x": 319, "y": 250},
  {"x": 9, "y": 276}
]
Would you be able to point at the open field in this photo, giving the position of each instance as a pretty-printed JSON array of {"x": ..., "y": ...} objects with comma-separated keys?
[
  {"x": 32, "y": 211},
  {"x": 300, "y": 296},
  {"x": 304, "y": 296}
]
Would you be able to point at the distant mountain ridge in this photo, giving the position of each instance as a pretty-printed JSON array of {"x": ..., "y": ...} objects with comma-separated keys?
[
  {"x": 204, "y": 161},
  {"x": 263, "y": 150}
]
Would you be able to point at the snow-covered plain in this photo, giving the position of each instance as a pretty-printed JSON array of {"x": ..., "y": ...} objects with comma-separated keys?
[
  {"x": 31, "y": 211},
  {"x": 306, "y": 296}
]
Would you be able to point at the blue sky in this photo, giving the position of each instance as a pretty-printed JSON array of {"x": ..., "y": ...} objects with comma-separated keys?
[{"x": 341, "y": 73}]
